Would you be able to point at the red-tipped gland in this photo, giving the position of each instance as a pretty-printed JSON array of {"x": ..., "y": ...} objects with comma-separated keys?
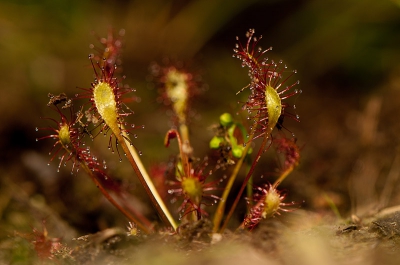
[
  {"x": 171, "y": 134},
  {"x": 107, "y": 104},
  {"x": 177, "y": 91},
  {"x": 291, "y": 156},
  {"x": 265, "y": 103},
  {"x": 64, "y": 135},
  {"x": 44, "y": 246},
  {"x": 272, "y": 203},
  {"x": 194, "y": 190},
  {"x": 268, "y": 202},
  {"x": 190, "y": 181},
  {"x": 177, "y": 86},
  {"x": 67, "y": 135},
  {"x": 109, "y": 51},
  {"x": 290, "y": 151}
]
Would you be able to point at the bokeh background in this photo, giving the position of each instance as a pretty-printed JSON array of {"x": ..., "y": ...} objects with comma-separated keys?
[{"x": 346, "y": 53}]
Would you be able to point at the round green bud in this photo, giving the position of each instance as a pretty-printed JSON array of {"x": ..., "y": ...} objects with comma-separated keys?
[
  {"x": 250, "y": 151},
  {"x": 226, "y": 119},
  {"x": 215, "y": 142},
  {"x": 237, "y": 151}
]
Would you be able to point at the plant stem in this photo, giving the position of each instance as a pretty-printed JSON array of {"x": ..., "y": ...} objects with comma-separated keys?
[
  {"x": 249, "y": 174},
  {"x": 249, "y": 189},
  {"x": 111, "y": 199},
  {"x": 283, "y": 176},
  {"x": 184, "y": 132},
  {"x": 221, "y": 206},
  {"x": 145, "y": 179}
]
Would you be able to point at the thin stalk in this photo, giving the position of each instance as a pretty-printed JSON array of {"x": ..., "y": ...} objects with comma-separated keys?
[
  {"x": 222, "y": 203},
  {"x": 182, "y": 153},
  {"x": 184, "y": 135},
  {"x": 249, "y": 174},
  {"x": 333, "y": 206},
  {"x": 184, "y": 132},
  {"x": 283, "y": 176},
  {"x": 145, "y": 179},
  {"x": 249, "y": 189},
  {"x": 111, "y": 199}
]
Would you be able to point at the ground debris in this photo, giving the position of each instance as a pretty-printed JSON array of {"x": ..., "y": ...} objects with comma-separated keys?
[{"x": 388, "y": 226}]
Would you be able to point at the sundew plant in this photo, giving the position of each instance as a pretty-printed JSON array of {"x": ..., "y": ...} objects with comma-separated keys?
[{"x": 194, "y": 182}]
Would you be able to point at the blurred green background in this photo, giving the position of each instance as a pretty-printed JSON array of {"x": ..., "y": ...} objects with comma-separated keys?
[{"x": 346, "y": 53}]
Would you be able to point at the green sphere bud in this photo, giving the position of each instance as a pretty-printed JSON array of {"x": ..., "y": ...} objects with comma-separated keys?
[
  {"x": 250, "y": 151},
  {"x": 237, "y": 151},
  {"x": 226, "y": 119},
  {"x": 215, "y": 142}
]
